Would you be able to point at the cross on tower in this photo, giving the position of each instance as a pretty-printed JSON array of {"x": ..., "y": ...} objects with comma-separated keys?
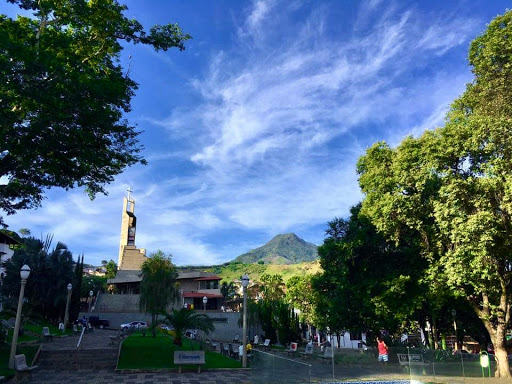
[{"x": 129, "y": 193}]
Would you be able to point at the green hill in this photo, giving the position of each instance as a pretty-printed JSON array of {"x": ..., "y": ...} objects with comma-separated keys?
[
  {"x": 233, "y": 271},
  {"x": 282, "y": 249}
]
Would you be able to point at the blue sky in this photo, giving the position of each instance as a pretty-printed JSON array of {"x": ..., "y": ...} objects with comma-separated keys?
[{"x": 255, "y": 129}]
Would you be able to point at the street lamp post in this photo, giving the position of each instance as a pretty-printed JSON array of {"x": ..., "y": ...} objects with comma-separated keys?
[
  {"x": 90, "y": 302},
  {"x": 205, "y": 300},
  {"x": 66, "y": 314},
  {"x": 245, "y": 284},
  {"x": 24, "y": 274}
]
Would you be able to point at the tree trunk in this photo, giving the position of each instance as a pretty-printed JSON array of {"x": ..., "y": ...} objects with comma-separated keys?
[
  {"x": 497, "y": 330},
  {"x": 500, "y": 352},
  {"x": 434, "y": 332}
]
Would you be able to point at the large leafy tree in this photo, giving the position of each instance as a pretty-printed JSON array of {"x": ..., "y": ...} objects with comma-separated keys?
[
  {"x": 158, "y": 287},
  {"x": 367, "y": 283},
  {"x": 111, "y": 268},
  {"x": 63, "y": 94},
  {"x": 184, "y": 319},
  {"x": 453, "y": 186},
  {"x": 300, "y": 294},
  {"x": 51, "y": 271},
  {"x": 272, "y": 287}
]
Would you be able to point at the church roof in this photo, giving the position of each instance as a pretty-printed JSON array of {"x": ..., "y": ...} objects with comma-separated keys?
[{"x": 126, "y": 276}]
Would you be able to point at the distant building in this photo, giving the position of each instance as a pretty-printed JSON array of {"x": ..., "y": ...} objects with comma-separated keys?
[
  {"x": 7, "y": 244},
  {"x": 194, "y": 286}
]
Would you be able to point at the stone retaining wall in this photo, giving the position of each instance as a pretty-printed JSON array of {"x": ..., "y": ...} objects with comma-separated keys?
[{"x": 226, "y": 323}]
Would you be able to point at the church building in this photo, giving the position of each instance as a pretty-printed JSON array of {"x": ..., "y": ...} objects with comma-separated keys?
[{"x": 194, "y": 285}]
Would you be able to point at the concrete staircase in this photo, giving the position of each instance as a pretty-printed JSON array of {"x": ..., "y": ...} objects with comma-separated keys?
[{"x": 96, "y": 359}]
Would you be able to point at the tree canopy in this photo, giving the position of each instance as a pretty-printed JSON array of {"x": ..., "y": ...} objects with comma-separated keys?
[
  {"x": 367, "y": 283},
  {"x": 453, "y": 186},
  {"x": 63, "y": 96}
]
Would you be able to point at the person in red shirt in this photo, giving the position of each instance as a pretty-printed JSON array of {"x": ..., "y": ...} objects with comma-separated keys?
[{"x": 383, "y": 350}]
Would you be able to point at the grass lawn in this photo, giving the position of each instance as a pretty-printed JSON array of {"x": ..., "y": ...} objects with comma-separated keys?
[
  {"x": 148, "y": 352},
  {"x": 28, "y": 350},
  {"x": 34, "y": 331}
]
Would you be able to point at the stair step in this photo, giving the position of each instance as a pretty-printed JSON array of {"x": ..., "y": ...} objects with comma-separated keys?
[{"x": 96, "y": 359}]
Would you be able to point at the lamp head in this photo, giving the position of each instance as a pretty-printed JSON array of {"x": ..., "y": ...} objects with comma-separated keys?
[
  {"x": 70, "y": 287},
  {"x": 245, "y": 280},
  {"x": 91, "y": 293},
  {"x": 25, "y": 272},
  {"x": 205, "y": 300}
]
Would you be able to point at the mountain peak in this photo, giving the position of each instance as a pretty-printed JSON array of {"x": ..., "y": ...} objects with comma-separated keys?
[{"x": 285, "y": 248}]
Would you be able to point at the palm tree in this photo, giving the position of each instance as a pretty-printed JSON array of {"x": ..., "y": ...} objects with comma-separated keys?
[{"x": 187, "y": 319}]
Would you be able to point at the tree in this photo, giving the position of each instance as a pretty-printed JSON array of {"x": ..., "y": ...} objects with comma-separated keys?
[
  {"x": 367, "y": 283},
  {"x": 74, "y": 305},
  {"x": 184, "y": 319},
  {"x": 92, "y": 283},
  {"x": 111, "y": 268},
  {"x": 51, "y": 271},
  {"x": 453, "y": 187},
  {"x": 158, "y": 287},
  {"x": 300, "y": 294},
  {"x": 272, "y": 287},
  {"x": 63, "y": 94},
  {"x": 24, "y": 232}
]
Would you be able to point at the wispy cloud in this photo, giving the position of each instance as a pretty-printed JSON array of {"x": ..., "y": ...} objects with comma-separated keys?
[{"x": 277, "y": 122}]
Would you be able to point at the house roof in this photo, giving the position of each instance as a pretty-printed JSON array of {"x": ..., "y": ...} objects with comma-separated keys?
[
  {"x": 195, "y": 275},
  {"x": 125, "y": 276},
  {"x": 191, "y": 294},
  {"x": 6, "y": 239}
]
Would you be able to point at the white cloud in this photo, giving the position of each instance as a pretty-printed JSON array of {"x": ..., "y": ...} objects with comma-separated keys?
[{"x": 270, "y": 142}]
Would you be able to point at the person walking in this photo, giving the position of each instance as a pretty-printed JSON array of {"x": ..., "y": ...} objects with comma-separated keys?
[{"x": 383, "y": 350}]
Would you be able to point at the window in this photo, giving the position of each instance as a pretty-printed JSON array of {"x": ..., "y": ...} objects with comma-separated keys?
[
  {"x": 355, "y": 336},
  {"x": 209, "y": 284}
]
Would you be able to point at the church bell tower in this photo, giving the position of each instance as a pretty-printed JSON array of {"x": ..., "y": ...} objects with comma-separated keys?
[{"x": 130, "y": 257}]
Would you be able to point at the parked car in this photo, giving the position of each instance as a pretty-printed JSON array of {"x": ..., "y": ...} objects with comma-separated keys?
[
  {"x": 95, "y": 321},
  {"x": 191, "y": 333},
  {"x": 134, "y": 325}
]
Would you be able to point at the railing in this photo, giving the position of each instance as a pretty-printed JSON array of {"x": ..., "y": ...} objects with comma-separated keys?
[{"x": 78, "y": 345}]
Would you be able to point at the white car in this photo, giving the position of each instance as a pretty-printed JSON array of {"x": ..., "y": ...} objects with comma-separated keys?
[{"x": 134, "y": 325}]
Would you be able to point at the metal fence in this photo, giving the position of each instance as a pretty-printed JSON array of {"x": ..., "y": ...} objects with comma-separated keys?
[
  {"x": 271, "y": 368},
  {"x": 404, "y": 366}
]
